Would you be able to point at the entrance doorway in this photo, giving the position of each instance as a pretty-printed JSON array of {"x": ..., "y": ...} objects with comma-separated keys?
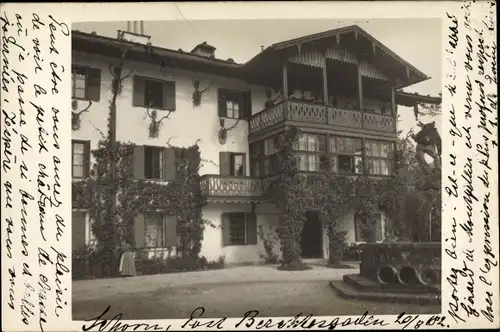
[{"x": 312, "y": 236}]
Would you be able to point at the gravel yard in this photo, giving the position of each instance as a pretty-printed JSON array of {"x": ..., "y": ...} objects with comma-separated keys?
[{"x": 230, "y": 293}]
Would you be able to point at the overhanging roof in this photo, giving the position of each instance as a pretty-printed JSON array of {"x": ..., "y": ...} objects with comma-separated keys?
[
  {"x": 412, "y": 99},
  {"x": 271, "y": 52}
]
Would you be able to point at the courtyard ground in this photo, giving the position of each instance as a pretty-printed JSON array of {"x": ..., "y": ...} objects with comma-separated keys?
[{"x": 226, "y": 293}]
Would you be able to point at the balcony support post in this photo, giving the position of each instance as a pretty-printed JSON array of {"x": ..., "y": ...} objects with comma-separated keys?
[
  {"x": 285, "y": 80},
  {"x": 360, "y": 96},
  {"x": 394, "y": 108},
  {"x": 325, "y": 79}
]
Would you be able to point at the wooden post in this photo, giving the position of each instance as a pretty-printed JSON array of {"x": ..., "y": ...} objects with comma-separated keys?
[
  {"x": 394, "y": 108},
  {"x": 325, "y": 80},
  {"x": 360, "y": 89},
  {"x": 285, "y": 80},
  {"x": 360, "y": 92}
]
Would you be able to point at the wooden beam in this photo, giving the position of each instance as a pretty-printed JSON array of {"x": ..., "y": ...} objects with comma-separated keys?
[
  {"x": 393, "y": 102},
  {"x": 285, "y": 79},
  {"x": 325, "y": 78},
  {"x": 360, "y": 89}
]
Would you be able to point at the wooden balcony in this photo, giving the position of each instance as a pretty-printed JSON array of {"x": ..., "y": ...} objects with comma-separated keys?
[
  {"x": 322, "y": 117},
  {"x": 231, "y": 189}
]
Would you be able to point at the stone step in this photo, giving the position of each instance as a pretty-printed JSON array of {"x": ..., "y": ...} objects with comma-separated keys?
[
  {"x": 349, "y": 292},
  {"x": 365, "y": 284}
]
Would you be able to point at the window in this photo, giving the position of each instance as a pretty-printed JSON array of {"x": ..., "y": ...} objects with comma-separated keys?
[
  {"x": 379, "y": 157},
  {"x": 347, "y": 155},
  {"x": 238, "y": 164},
  {"x": 271, "y": 155},
  {"x": 80, "y": 159},
  {"x": 312, "y": 149},
  {"x": 239, "y": 228},
  {"x": 78, "y": 229},
  {"x": 378, "y": 231},
  {"x": 155, "y": 231},
  {"x": 153, "y": 96},
  {"x": 79, "y": 76},
  {"x": 85, "y": 83},
  {"x": 255, "y": 158},
  {"x": 154, "y": 93},
  {"x": 234, "y": 104},
  {"x": 153, "y": 163}
]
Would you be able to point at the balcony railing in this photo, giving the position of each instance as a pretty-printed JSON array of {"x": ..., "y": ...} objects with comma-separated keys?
[
  {"x": 230, "y": 186},
  {"x": 320, "y": 114}
]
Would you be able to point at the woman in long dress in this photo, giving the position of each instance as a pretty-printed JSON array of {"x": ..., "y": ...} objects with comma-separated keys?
[{"x": 127, "y": 262}]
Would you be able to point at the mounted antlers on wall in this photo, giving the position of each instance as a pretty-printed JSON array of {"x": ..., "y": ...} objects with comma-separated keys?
[
  {"x": 197, "y": 94},
  {"x": 223, "y": 131},
  {"x": 154, "y": 126},
  {"x": 75, "y": 116}
]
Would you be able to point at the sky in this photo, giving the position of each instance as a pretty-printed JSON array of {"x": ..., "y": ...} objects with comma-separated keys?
[{"x": 418, "y": 41}]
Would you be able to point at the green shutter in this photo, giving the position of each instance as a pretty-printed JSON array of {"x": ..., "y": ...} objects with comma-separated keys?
[
  {"x": 251, "y": 228},
  {"x": 86, "y": 159},
  {"x": 139, "y": 231},
  {"x": 139, "y": 162},
  {"x": 225, "y": 163},
  {"x": 170, "y": 164},
  {"x": 78, "y": 230},
  {"x": 169, "y": 95},
  {"x": 94, "y": 84},
  {"x": 247, "y": 105},
  {"x": 221, "y": 103},
  {"x": 225, "y": 229},
  {"x": 138, "y": 95},
  {"x": 170, "y": 223}
]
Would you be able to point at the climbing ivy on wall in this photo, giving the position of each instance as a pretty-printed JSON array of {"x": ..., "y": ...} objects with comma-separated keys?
[
  {"x": 331, "y": 196},
  {"x": 113, "y": 227}
]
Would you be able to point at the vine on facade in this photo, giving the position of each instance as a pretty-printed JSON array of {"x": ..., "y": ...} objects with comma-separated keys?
[{"x": 332, "y": 196}]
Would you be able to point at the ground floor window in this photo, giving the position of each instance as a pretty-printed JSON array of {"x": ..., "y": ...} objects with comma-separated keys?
[
  {"x": 160, "y": 230},
  {"x": 82, "y": 233},
  {"x": 239, "y": 228}
]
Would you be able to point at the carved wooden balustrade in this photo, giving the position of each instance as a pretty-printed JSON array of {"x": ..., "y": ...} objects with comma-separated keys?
[
  {"x": 297, "y": 111},
  {"x": 230, "y": 186}
]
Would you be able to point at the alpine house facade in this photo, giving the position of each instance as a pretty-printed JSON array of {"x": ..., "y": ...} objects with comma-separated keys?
[{"x": 339, "y": 87}]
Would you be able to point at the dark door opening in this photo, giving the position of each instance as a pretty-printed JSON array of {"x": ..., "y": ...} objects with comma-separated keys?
[{"x": 312, "y": 237}]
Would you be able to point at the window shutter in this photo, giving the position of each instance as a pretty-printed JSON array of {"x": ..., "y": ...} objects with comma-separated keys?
[
  {"x": 225, "y": 163},
  {"x": 170, "y": 164},
  {"x": 86, "y": 159},
  {"x": 221, "y": 102},
  {"x": 247, "y": 105},
  {"x": 139, "y": 162},
  {"x": 225, "y": 229},
  {"x": 138, "y": 96},
  {"x": 139, "y": 231},
  {"x": 170, "y": 231},
  {"x": 78, "y": 230},
  {"x": 169, "y": 95},
  {"x": 94, "y": 84},
  {"x": 251, "y": 228}
]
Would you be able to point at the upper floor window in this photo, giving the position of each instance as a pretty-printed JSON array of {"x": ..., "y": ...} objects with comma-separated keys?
[
  {"x": 154, "y": 93},
  {"x": 80, "y": 159},
  {"x": 234, "y": 104},
  {"x": 379, "y": 157},
  {"x": 154, "y": 163},
  {"x": 232, "y": 163},
  {"x": 347, "y": 155},
  {"x": 311, "y": 149},
  {"x": 86, "y": 83}
]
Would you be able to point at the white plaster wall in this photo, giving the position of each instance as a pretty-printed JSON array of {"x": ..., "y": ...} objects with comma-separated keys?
[
  {"x": 212, "y": 247},
  {"x": 184, "y": 126}
]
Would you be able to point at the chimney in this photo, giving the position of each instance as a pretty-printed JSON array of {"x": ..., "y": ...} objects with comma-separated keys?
[
  {"x": 261, "y": 48},
  {"x": 204, "y": 50},
  {"x": 134, "y": 33}
]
